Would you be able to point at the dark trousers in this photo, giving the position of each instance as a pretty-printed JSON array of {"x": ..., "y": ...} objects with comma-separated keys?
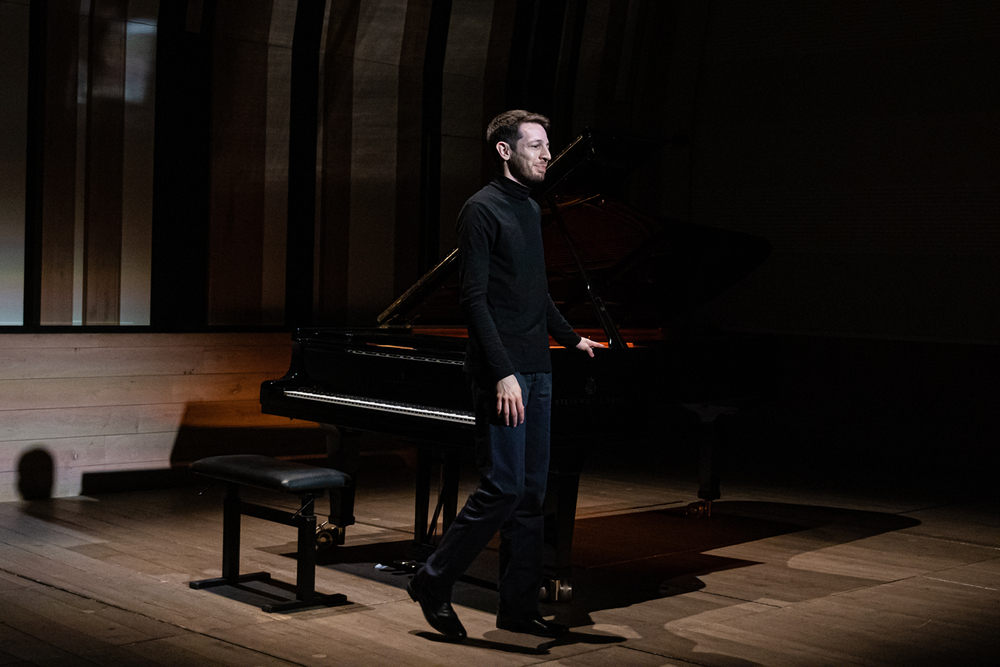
[{"x": 513, "y": 465}]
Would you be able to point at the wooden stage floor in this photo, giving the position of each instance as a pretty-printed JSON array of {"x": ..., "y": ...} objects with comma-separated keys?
[{"x": 781, "y": 574}]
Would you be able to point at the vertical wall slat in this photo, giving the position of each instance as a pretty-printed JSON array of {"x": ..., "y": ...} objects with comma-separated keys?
[
  {"x": 611, "y": 40},
  {"x": 335, "y": 187},
  {"x": 277, "y": 148},
  {"x": 182, "y": 164},
  {"x": 105, "y": 170},
  {"x": 59, "y": 167},
  {"x": 14, "y": 81},
  {"x": 82, "y": 116},
  {"x": 409, "y": 212},
  {"x": 239, "y": 122},
  {"x": 303, "y": 145},
  {"x": 137, "y": 203},
  {"x": 373, "y": 158},
  {"x": 467, "y": 61}
]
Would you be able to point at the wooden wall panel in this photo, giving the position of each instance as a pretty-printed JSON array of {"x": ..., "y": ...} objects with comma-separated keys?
[
  {"x": 606, "y": 36},
  {"x": 411, "y": 205},
  {"x": 105, "y": 169},
  {"x": 180, "y": 358},
  {"x": 83, "y": 339},
  {"x": 593, "y": 43},
  {"x": 99, "y": 403},
  {"x": 77, "y": 455},
  {"x": 249, "y": 190},
  {"x": 14, "y": 29},
  {"x": 59, "y": 163},
  {"x": 373, "y": 157},
  {"x": 337, "y": 118},
  {"x": 58, "y": 423},
  {"x": 464, "y": 120},
  {"x": 276, "y": 161},
  {"x": 502, "y": 39},
  {"x": 144, "y": 11},
  {"x": 239, "y": 137},
  {"x": 182, "y": 146},
  {"x": 53, "y": 423},
  {"x": 96, "y": 130},
  {"x": 133, "y": 390},
  {"x": 304, "y": 148},
  {"x": 137, "y": 161}
]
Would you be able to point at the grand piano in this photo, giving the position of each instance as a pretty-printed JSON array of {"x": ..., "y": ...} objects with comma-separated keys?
[{"x": 618, "y": 276}]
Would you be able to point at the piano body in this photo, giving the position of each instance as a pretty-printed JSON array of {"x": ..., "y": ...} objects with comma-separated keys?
[{"x": 618, "y": 277}]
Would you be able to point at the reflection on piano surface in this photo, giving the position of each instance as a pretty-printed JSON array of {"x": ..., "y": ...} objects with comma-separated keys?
[{"x": 611, "y": 270}]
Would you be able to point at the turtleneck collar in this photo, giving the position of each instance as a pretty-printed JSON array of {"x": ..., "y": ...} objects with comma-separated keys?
[{"x": 511, "y": 187}]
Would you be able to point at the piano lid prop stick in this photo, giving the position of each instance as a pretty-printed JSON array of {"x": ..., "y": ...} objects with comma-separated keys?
[{"x": 610, "y": 330}]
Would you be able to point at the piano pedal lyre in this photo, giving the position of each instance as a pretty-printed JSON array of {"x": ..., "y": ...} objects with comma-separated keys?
[
  {"x": 329, "y": 536},
  {"x": 699, "y": 509},
  {"x": 556, "y": 590}
]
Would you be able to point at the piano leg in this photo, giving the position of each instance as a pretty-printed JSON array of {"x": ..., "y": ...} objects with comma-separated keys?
[
  {"x": 342, "y": 453},
  {"x": 421, "y": 536},
  {"x": 343, "y": 449},
  {"x": 447, "y": 501},
  {"x": 709, "y": 457}
]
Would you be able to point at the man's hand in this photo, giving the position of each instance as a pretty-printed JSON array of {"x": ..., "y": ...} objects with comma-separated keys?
[
  {"x": 588, "y": 345},
  {"x": 510, "y": 407}
]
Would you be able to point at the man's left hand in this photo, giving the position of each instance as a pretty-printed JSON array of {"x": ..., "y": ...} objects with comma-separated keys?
[{"x": 588, "y": 345}]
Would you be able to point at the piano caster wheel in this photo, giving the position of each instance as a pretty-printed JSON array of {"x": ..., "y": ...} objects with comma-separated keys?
[
  {"x": 328, "y": 537},
  {"x": 697, "y": 510},
  {"x": 556, "y": 590}
]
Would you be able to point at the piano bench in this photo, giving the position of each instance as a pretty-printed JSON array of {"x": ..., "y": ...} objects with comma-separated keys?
[{"x": 305, "y": 481}]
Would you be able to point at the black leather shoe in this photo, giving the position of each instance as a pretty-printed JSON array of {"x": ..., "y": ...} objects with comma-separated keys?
[
  {"x": 537, "y": 626},
  {"x": 440, "y": 615}
]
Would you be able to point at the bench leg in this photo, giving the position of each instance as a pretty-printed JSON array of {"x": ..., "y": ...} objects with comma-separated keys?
[
  {"x": 231, "y": 534},
  {"x": 230, "y": 546},
  {"x": 305, "y": 569}
]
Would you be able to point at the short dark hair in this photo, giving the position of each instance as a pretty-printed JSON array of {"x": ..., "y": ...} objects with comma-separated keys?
[{"x": 507, "y": 126}]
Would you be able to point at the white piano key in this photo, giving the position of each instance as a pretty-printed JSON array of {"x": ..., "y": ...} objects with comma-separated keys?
[{"x": 385, "y": 406}]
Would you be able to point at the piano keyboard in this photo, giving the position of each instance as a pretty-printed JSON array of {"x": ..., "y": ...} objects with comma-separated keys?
[
  {"x": 411, "y": 409},
  {"x": 394, "y": 355}
]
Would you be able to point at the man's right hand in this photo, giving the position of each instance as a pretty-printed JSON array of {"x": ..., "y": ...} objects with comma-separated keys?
[{"x": 510, "y": 407}]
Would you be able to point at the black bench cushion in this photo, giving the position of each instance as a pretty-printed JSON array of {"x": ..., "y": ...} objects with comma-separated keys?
[{"x": 270, "y": 473}]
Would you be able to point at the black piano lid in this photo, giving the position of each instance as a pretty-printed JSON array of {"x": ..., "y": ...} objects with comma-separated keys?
[
  {"x": 649, "y": 271},
  {"x": 593, "y": 162}
]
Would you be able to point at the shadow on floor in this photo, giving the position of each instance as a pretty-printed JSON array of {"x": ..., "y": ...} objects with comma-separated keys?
[{"x": 626, "y": 559}]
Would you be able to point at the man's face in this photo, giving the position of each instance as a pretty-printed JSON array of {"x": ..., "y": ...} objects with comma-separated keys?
[{"x": 530, "y": 156}]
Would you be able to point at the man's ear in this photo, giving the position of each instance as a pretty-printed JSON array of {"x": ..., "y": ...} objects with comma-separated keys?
[{"x": 503, "y": 148}]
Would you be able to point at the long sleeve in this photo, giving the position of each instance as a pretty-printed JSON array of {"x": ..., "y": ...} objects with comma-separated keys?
[
  {"x": 476, "y": 233},
  {"x": 559, "y": 328}
]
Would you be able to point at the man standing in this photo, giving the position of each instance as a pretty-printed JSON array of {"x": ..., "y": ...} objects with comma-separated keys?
[{"x": 504, "y": 297}]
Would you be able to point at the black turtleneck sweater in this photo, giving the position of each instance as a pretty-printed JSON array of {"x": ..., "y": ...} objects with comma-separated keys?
[{"x": 504, "y": 291}]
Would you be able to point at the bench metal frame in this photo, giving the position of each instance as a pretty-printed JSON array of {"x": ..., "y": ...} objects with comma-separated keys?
[{"x": 305, "y": 572}]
